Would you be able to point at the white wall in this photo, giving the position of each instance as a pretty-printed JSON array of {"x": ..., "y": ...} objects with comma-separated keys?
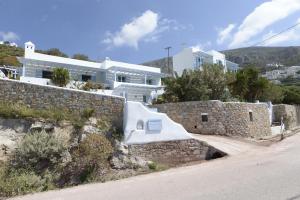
[
  {"x": 183, "y": 60},
  {"x": 38, "y": 81},
  {"x": 135, "y": 111},
  {"x": 217, "y": 56}
]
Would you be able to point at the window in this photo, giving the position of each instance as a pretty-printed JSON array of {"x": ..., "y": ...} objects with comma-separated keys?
[
  {"x": 251, "y": 116},
  {"x": 47, "y": 74},
  {"x": 204, "y": 117},
  {"x": 149, "y": 81},
  {"x": 199, "y": 62},
  {"x": 86, "y": 78},
  {"x": 144, "y": 98},
  {"x": 121, "y": 78}
]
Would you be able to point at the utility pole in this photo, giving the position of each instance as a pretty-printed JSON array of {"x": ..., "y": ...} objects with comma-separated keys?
[{"x": 168, "y": 49}]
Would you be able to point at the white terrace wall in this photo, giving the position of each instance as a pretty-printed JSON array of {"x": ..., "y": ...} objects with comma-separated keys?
[
  {"x": 42, "y": 97},
  {"x": 232, "y": 119},
  {"x": 290, "y": 114}
]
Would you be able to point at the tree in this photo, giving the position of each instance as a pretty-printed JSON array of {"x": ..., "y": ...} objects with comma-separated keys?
[
  {"x": 60, "y": 77},
  {"x": 80, "y": 57},
  {"x": 248, "y": 85},
  {"x": 208, "y": 84},
  {"x": 215, "y": 79}
]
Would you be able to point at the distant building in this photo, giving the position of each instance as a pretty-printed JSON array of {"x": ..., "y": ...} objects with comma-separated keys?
[
  {"x": 194, "y": 58},
  {"x": 134, "y": 82},
  {"x": 12, "y": 44},
  {"x": 277, "y": 74}
]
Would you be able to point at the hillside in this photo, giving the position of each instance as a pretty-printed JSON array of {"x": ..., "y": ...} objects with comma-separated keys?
[
  {"x": 162, "y": 64},
  {"x": 8, "y": 55},
  {"x": 261, "y": 56}
]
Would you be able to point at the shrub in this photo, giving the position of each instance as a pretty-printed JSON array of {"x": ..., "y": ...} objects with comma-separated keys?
[
  {"x": 87, "y": 113},
  {"x": 60, "y": 77},
  {"x": 19, "y": 182},
  {"x": 9, "y": 110},
  {"x": 152, "y": 165},
  {"x": 92, "y": 86},
  {"x": 38, "y": 151},
  {"x": 90, "y": 157}
]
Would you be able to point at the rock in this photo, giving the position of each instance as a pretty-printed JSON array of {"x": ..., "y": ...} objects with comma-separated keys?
[
  {"x": 92, "y": 121},
  {"x": 119, "y": 161},
  {"x": 49, "y": 128},
  {"x": 36, "y": 127},
  {"x": 89, "y": 129},
  {"x": 121, "y": 147},
  {"x": 138, "y": 162}
]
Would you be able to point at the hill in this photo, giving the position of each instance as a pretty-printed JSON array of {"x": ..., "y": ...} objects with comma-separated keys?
[
  {"x": 8, "y": 55},
  {"x": 261, "y": 56},
  {"x": 162, "y": 64}
]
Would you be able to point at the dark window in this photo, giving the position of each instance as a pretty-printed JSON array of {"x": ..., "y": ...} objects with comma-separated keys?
[
  {"x": 251, "y": 116},
  {"x": 144, "y": 98},
  {"x": 47, "y": 74},
  {"x": 86, "y": 78},
  {"x": 121, "y": 78},
  {"x": 149, "y": 82},
  {"x": 204, "y": 117}
]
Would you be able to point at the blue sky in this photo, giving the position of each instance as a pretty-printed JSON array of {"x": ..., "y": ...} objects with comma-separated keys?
[{"x": 138, "y": 30}]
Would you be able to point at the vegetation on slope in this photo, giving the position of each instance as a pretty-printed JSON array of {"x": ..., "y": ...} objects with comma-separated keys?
[
  {"x": 213, "y": 84},
  {"x": 261, "y": 56}
]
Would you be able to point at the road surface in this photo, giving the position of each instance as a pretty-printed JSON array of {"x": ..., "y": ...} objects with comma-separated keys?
[{"x": 259, "y": 173}]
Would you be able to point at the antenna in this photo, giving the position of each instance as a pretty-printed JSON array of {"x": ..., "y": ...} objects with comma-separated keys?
[{"x": 168, "y": 50}]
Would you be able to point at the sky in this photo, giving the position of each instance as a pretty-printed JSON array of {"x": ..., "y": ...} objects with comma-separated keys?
[{"x": 137, "y": 31}]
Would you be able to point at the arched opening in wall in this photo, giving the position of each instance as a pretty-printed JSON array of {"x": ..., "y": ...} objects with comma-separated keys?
[{"x": 140, "y": 125}]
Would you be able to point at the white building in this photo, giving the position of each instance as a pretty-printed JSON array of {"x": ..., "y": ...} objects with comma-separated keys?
[
  {"x": 12, "y": 44},
  {"x": 193, "y": 58},
  {"x": 134, "y": 82},
  {"x": 293, "y": 71}
]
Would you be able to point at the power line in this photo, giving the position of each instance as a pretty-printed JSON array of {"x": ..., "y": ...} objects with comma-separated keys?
[{"x": 273, "y": 36}]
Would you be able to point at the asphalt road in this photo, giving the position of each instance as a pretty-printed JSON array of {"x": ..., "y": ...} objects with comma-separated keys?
[{"x": 258, "y": 173}]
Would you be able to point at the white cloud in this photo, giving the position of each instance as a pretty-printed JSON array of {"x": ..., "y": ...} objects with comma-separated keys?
[
  {"x": 148, "y": 28},
  {"x": 164, "y": 25},
  {"x": 225, "y": 33},
  {"x": 9, "y": 36},
  {"x": 132, "y": 32},
  {"x": 262, "y": 17},
  {"x": 202, "y": 46},
  {"x": 289, "y": 36}
]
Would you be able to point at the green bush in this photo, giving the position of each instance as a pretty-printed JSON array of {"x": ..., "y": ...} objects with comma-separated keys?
[
  {"x": 152, "y": 165},
  {"x": 90, "y": 157},
  {"x": 19, "y": 182},
  {"x": 60, "y": 77},
  {"x": 39, "y": 151},
  {"x": 87, "y": 113},
  {"x": 10, "y": 110}
]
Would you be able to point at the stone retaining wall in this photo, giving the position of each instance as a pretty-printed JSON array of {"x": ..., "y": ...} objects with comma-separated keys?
[
  {"x": 231, "y": 119},
  {"x": 42, "y": 97},
  {"x": 290, "y": 114},
  {"x": 175, "y": 152}
]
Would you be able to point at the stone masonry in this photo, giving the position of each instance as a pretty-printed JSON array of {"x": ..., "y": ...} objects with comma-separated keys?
[
  {"x": 219, "y": 118},
  {"x": 175, "y": 152},
  {"x": 290, "y": 114},
  {"x": 43, "y": 97}
]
